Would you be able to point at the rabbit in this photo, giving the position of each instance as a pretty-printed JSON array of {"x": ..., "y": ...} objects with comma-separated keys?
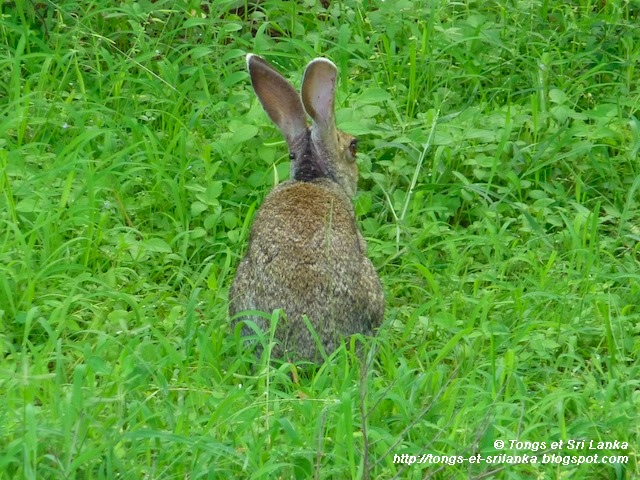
[{"x": 306, "y": 254}]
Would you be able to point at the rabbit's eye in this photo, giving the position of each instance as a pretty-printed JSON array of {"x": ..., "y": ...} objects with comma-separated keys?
[
  {"x": 353, "y": 147},
  {"x": 292, "y": 156}
]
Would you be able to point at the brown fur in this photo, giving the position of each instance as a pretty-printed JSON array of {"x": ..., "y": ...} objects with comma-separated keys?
[{"x": 306, "y": 254}]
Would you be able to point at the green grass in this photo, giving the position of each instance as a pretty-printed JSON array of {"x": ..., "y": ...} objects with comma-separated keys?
[{"x": 499, "y": 193}]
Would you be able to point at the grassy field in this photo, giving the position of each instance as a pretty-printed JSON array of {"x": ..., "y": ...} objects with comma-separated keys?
[{"x": 499, "y": 194}]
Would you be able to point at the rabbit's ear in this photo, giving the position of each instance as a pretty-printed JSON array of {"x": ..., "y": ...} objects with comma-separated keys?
[
  {"x": 278, "y": 98},
  {"x": 318, "y": 92}
]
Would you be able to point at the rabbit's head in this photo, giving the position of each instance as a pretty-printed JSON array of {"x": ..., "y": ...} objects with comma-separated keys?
[{"x": 318, "y": 151}]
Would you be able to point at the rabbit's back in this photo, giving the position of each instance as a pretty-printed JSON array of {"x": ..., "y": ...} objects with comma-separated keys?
[{"x": 307, "y": 257}]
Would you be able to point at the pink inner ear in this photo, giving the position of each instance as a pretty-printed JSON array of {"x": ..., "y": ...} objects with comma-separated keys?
[
  {"x": 324, "y": 102},
  {"x": 318, "y": 90}
]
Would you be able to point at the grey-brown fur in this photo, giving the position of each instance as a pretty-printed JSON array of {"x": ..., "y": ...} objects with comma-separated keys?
[{"x": 306, "y": 254}]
